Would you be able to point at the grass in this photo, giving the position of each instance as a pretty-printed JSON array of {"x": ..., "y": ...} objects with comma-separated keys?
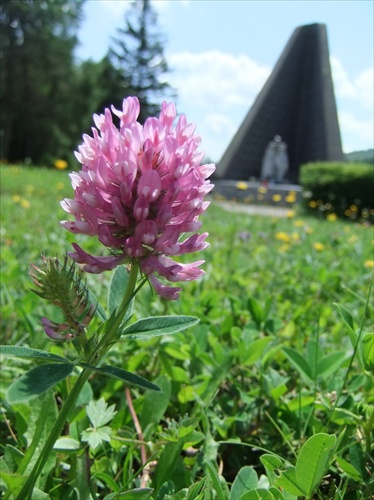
[{"x": 280, "y": 359}]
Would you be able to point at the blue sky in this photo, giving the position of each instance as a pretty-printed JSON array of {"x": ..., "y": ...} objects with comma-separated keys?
[{"x": 222, "y": 51}]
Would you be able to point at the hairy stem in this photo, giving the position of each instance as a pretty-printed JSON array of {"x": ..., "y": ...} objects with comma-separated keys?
[{"x": 99, "y": 352}]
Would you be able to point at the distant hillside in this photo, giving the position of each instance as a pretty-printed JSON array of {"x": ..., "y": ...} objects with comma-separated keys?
[{"x": 361, "y": 156}]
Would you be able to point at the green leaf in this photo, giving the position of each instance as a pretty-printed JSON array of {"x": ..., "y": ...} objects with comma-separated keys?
[
  {"x": 218, "y": 481},
  {"x": 245, "y": 480},
  {"x": 287, "y": 480},
  {"x": 109, "y": 481},
  {"x": 117, "y": 290},
  {"x": 367, "y": 349},
  {"x": 137, "y": 494},
  {"x": 258, "y": 494},
  {"x": 299, "y": 362},
  {"x": 15, "y": 482},
  {"x": 28, "y": 352},
  {"x": 66, "y": 444},
  {"x": 330, "y": 363},
  {"x": 155, "y": 404},
  {"x": 125, "y": 376},
  {"x": 348, "y": 469},
  {"x": 349, "y": 322},
  {"x": 99, "y": 413},
  {"x": 40, "y": 421},
  {"x": 271, "y": 463},
  {"x": 167, "y": 462},
  {"x": 255, "y": 310},
  {"x": 94, "y": 437},
  {"x": 255, "y": 350},
  {"x": 159, "y": 325},
  {"x": 38, "y": 380},
  {"x": 313, "y": 461},
  {"x": 100, "y": 311}
]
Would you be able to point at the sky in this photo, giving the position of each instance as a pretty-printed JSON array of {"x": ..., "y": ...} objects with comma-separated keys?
[{"x": 221, "y": 53}]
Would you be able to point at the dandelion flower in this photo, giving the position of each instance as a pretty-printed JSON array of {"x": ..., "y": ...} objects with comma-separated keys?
[
  {"x": 61, "y": 164},
  {"x": 242, "y": 185},
  {"x": 369, "y": 264},
  {"x": 331, "y": 217},
  {"x": 282, "y": 236},
  {"x": 319, "y": 246},
  {"x": 141, "y": 188},
  {"x": 277, "y": 197},
  {"x": 290, "y": 198},
  {"x": 298, "y": 223}
]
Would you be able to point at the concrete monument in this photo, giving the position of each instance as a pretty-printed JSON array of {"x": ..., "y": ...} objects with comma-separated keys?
[{"x": 297, "y": 102}]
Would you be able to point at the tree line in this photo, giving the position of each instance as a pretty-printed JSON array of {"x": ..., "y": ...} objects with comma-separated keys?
[{"x": 47, "y": 98}]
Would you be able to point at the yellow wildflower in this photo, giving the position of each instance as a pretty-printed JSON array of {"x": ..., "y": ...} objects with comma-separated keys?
[
  {"x": 352, "y": 239},
  {"x": 312, "y": 204},
  {"x": 277, "y": 197},
  {"x": 290, "y": 198},
  {"x": 369, "y": 263},
  {"x": 24, "y": 203},
  {"x": 60, "y": 185},
  {"x": 242, "y": 185},
  {"x": 16, "y": 198},
  {"x": 61, "y": 164},
  {"x": 282, "y": 236},
  {"x": 319, "y": 246},
  {"x": 262, "y": 189},
  {"x": 331, "y": 217},
  {"x": 298, "y": 223},
  {"x": 290, "y": 214}
]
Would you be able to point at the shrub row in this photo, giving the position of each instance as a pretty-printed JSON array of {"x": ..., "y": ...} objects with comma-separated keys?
[{"x": 339, "y": 189}]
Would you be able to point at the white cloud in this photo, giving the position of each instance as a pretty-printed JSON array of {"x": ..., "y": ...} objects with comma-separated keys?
[
  {"x": 359, "y": 89},
  {"x": 357, "y": 133},
  {"x": 365, "y": 87},
  {"x": 216, "y": 90},
  {"x": 354, "y": 96},
  {"x": 217, "y": 79}
]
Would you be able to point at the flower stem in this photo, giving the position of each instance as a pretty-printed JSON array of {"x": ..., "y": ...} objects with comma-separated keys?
[
  {"x": 99, "y": 352},
  {"x": 27, "y": 489}
]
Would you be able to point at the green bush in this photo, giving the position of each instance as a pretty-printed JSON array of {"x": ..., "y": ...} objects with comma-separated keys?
[{"x": 339, "y": 189}]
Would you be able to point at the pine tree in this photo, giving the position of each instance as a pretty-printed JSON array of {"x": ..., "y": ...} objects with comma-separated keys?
[
  {"x": 37, "y": 39},
  {"x": 138, "y": 53}
]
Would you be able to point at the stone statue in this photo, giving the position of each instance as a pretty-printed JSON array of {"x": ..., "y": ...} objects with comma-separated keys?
[{"x": 275, "y": 161}]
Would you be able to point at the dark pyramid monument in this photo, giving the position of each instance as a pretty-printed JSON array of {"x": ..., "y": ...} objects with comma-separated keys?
[{"x": 297, "y": 102}]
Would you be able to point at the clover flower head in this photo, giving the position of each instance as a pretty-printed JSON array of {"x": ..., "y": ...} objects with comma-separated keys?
[{"x": 140, "y": 189}]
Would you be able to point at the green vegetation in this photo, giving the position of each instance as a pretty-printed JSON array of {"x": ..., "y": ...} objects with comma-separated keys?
[
  {"x": 270, "y": 395},
  {"x": 343, "y": 189},
  {"x": 366, "y": 156},
  {"x": 47, "y": 97}
]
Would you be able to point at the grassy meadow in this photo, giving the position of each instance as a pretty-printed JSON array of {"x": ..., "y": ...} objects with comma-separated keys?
[{"x": 269, "y": 396}]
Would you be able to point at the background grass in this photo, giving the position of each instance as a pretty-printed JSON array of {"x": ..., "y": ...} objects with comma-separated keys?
[{"x": 268, "y": 293}]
